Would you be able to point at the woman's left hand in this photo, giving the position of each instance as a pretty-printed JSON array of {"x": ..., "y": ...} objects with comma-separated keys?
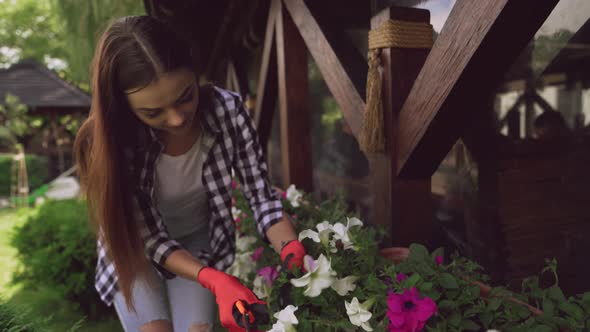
[{"x": 292, "y": 254}]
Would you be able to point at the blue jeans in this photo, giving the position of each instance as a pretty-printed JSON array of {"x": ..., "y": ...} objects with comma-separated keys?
[{"x": 182, "y": 302}]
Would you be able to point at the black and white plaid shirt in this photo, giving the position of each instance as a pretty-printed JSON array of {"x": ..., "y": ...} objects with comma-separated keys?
[{"x": 234, "y": 147}]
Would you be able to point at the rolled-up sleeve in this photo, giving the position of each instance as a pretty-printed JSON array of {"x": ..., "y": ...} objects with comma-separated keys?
[{"x": 252, "y": 172}]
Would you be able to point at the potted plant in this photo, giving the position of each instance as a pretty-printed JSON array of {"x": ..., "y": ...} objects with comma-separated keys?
[{"x": 352, "y": 285}]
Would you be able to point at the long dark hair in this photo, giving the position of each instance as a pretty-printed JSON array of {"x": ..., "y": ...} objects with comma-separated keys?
[{"x": 131, "y": 53}]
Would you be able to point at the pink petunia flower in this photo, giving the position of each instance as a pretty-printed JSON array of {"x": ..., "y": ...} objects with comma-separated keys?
[
  {"x": 244, "y": 215},
  {"x": 237, "y": 220},
  {"x": 269, "y": 273},
  {"x": 409, "y": 312},
  {"x": 234, "y": 184},
  {"x": 257, "y": 253},
  {"x": 438, "y": 260},
  {"x": 401, "y": 277},
  {"x": 233, "y": 201},
  {"x": 284, "y": 195}
]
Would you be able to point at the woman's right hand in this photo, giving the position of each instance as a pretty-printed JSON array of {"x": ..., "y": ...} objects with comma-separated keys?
[{"x": 227, "y": 290}]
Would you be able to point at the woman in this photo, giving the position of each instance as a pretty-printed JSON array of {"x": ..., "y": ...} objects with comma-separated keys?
[{"x": 155, "y": 159}]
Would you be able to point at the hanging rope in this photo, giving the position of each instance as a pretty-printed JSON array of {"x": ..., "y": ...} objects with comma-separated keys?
[{"x": 391, "y": 34}]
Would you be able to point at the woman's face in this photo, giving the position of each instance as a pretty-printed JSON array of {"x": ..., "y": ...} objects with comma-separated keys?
[{"x": 168, "y": 104}]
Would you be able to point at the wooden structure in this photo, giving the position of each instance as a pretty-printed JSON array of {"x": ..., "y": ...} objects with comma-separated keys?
[
  {"x": 431, "y": 98},
  {"x": 19, "y": 182},
  {"x": 46, "y": 95}
]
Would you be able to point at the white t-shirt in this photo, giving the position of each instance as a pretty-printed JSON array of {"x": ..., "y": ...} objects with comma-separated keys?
[{"x": 180, "y": 194}]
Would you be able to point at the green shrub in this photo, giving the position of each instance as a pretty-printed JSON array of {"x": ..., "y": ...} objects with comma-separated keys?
[
  {"x": 13, "y": 320},
  {"x": 57, "y": 249},
  {"x": 37, "y": 171}
]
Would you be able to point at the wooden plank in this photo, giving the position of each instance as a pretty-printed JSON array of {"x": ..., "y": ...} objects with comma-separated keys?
[
  {"x": 266, "y": 92},
  {"x": 403, "y": 206},
  {"x": 293, "y": 103},
  {"x": 473, "y": 51},
  {"x": 341, "y": 86}
]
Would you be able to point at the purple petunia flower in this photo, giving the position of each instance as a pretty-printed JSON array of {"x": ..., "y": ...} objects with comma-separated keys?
[
  {"x": 409, "y": 312},
  {"x": 438, "y": 260},
  {"x": 269, "y": 273},
  {"x": 257, "y": 253}
]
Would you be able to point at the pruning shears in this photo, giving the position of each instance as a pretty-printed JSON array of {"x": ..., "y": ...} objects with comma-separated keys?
[{"x": 248, "y": 316}]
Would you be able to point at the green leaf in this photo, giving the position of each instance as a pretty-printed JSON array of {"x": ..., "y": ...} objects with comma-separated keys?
[
  {"x": 469, "y": 325},
  {"x": 494, "y": 303},
  {"x": 413, "y": 280},
  {"x": 455, "y": 320},
  {"x": 446, "y": 305},
  {"x": 548, "y": 307},
  {"x": 486, "y": 318},
  {"x": 470, "y": 294},
  {"x": 418, "y": 252},
  {"x": 573, "y": 310},
  {"x": 425, "y": 286},
  {"x": 448, "y": 281},
  {"x": 556, "y": 294}
]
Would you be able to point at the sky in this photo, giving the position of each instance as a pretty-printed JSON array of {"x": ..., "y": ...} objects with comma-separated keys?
[
  {"x": 439, "y": 11},
  {"x": 568, "y": 14}
]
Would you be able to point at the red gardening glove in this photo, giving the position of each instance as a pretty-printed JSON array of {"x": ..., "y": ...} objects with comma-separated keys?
[
  {"x": 227, "y": 290},
  {"x": 296, "y": 259}
]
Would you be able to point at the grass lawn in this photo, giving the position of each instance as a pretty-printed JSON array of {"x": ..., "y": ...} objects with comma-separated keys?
[{"x": 43, "y": 302}]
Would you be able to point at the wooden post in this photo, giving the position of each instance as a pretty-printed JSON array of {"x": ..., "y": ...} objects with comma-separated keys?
[
  {"x": 293, "y": 102},
  {"x": 402, "y": 205},
  {"x": 484, "y": 235},
  {"x": 60, "y": 154}
]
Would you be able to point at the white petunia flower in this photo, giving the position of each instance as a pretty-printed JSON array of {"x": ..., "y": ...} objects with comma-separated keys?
[
  {"x": 342, "y": 233},
  {"x": 319, "y": 276},
  {"x": 285, "y": 320},
  {"x": 359, "y": 314},
  {"x": 242, "y": 266},
  {"x": 244, "y": 243},
  {"x": 280, "y": 327},
  {"x": 345, "y": 285},
  {"x": 260, "y": 288},
  {"x": 321, "y": 236},
  {"x": 235, "y": 212},
  {"x": 293, "y": 195}
]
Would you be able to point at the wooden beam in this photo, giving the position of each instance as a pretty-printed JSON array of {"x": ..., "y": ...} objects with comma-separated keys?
[
  {"x": 473, "y": 51},
  {"x": 402, "y": 206},
  {"x": 341, "y": 86},
  {"x": 238, "y": 17},
  {"x": 293, "y": 103},
  {"x": 266, "y": 92}
]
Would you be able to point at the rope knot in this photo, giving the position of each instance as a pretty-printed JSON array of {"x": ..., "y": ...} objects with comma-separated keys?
[{"x": 391, "y": 34}]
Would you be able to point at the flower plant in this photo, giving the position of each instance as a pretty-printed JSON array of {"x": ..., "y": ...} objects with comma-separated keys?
[{"x": 349, "y": 286}]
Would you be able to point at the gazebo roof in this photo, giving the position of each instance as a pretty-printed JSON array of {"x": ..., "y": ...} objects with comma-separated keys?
[{"x": 37, "y": 86}]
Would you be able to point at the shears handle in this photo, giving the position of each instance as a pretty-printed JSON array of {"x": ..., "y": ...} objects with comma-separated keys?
[{"x": 248, "y": 316}]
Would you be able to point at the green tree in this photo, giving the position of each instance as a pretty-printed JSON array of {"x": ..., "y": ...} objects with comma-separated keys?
[
  {"x": 59, "y": 33},
  {"x": 83, "y": 21},
  {"x": 29, "y": 29},
  {"x": 16, "y": 125}
]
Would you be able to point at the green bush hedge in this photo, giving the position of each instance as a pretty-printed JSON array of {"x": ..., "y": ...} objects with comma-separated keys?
[
  {"x": 57, "y": 249},
  {"x": 37, "y": 171}
]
